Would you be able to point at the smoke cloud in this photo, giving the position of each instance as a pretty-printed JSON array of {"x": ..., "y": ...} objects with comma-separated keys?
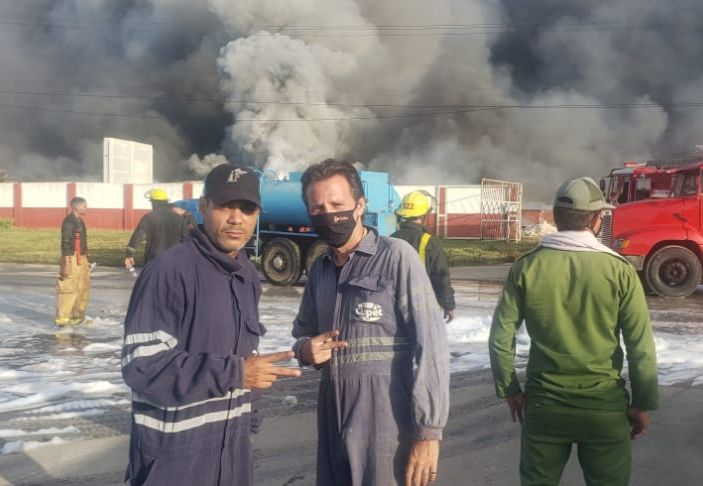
[{"x": 435, "y": 92}]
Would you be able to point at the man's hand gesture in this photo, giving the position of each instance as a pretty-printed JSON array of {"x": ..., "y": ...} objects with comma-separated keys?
[
  {"x": 260, "y": 371},
  {"x": 318, "y": 350}
]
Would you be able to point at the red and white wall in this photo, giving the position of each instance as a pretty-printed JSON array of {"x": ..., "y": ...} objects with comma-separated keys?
[
  {"x": 110, "y": 206},
  {"x": 120, "y": 206},
  {"x": 456, "y": 212}
]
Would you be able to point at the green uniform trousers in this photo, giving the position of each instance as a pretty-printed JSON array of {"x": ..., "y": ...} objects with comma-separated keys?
[{"x": 602, "y": 440}]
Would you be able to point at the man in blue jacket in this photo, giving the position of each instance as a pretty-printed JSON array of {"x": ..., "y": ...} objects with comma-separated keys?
[{"x": 189, "y": 355}]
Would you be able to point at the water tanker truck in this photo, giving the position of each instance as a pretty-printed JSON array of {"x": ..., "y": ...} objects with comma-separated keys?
[{"x": 284, "y": 239}]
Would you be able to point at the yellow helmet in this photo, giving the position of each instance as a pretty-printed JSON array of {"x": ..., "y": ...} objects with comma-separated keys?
[
  {"x": 415, "y": 205},
  {"x": 156, "y": 194}
]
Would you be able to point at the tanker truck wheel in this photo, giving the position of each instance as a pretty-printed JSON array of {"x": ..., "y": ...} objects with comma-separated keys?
[
  {"x": 315, "y": 251},
  {"x": 673, "y": 271},
  {"x": 281, "y": 262}
]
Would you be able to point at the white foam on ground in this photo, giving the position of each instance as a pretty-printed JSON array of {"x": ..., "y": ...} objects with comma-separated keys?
[
  {"x": 62, "y": 416},
  {"x": 37, "y": 393},
  {"x": 102, "y": 347},
  {"x": 49, "y": 374},
  {"x": 13, "y": 433},
  {"x": 80, "y": 405},
  {"x": 12, "y": 375},
  {"x": 24, "y": 446},
  {"x": 679, "y": 356}
]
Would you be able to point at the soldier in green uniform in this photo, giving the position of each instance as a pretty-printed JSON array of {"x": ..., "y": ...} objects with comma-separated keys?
[{"x": 578, "y": 299}]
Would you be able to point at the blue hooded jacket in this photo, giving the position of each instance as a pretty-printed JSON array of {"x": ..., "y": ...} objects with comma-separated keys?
[{"x": 191, "y": 323}]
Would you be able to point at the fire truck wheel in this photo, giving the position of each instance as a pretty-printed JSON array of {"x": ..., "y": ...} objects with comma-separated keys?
[
  {"x": 281, "y": 262},
  {"x": 645, "y": 285},
  {"x": 315, "y": 251},
  {"x": 673, "y": 271}
]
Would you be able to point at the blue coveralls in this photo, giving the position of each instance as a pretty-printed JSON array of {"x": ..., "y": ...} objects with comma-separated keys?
[
  {"x": 391, "y": 385},
  {"x": 191, "y": 322}
]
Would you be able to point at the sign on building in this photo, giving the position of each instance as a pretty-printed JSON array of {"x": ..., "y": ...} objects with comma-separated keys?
[{"x": 127, "y": 162}]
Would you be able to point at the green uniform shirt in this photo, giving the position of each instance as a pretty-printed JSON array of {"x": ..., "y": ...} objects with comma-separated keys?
[{"x": 576, "y": 306}]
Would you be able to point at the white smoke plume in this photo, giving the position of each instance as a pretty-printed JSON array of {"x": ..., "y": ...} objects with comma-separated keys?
[
  {"x": 201, "y": 166},
  {"x": 283, "y": 84}
]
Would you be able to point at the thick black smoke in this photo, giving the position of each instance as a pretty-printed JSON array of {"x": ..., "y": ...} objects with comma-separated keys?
[
  {"x": 283, "y": 84},
  {"x": 151, "y": 67}
]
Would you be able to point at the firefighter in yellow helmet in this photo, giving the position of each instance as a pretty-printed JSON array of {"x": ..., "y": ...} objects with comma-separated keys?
[
  {"x": 165, "y": 226},
  {"x": 412, "y": 215}
]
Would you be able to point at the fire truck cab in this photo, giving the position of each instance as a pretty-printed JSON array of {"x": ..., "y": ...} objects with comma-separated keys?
[
  {"x": 663, "y": 238},
  {"x": 636, "y": 181}
]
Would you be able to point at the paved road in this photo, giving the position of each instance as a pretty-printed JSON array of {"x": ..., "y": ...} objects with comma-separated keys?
[
  {"x": 480, "y": 449},
  {"x": 481, "y": 446}
]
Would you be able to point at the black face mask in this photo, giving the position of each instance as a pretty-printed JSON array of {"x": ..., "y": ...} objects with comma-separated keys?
[{"x": 334, "y": 228}]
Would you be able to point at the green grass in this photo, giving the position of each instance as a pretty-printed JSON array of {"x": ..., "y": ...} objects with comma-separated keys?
[
  {"x": 107, "y": 248},
  {"x": 21, "y": 245},
  {"x": 5, "y": 224},
  {"x": 477, "y": 252}
]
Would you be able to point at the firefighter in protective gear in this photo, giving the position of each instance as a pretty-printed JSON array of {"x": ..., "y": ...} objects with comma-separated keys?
[
  {"x": 73, "y": 284},
  {"x": 157, "y": 194},
  {"x": 164, "y": 227},
  {"x": 412, "y": 214}
]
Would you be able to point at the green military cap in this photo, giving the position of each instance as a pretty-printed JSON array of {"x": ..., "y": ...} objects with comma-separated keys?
[{"x": 582, "y": 194}]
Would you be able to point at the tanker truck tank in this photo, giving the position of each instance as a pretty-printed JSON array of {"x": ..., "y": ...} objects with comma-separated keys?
[
  {"x": 282, "y": 202},
  {"x": 284, "y": 239}
]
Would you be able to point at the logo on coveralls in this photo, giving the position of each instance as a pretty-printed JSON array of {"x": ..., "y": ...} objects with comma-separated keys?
[{"x": 369, "y": 312}]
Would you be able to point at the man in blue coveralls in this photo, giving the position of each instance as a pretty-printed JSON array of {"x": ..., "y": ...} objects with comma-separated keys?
[
  {"x": 189, "y": 355},
  {"x": 370, "y": 321}
]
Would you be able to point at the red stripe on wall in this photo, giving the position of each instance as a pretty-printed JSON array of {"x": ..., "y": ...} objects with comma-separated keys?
[
  {"x": 187, "y": 190},
  {"x": 127, "y": 216},
  {"x": 42, "y": 217},
  {"x": 110, "y": 219},
  {"x": 137, "y": 215},
  {"x": 17, "y": 209},
  {"x": 464, "y": 226},
  {"x": 442, "y": 213}
]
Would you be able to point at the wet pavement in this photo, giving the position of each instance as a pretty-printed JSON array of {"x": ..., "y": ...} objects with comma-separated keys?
[{"x": 65, "y": 386}]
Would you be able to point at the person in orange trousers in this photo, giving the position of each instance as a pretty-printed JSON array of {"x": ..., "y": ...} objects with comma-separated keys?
[{"x": 73, "y": 284}]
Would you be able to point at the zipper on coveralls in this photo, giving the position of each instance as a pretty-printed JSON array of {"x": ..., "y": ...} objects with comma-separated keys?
[{"x": 343, "y": 274}]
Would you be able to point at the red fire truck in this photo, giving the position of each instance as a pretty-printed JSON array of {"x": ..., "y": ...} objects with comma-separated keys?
[
  {"x": 636, "y": 181},
  {"x": 663, "y": 238}
]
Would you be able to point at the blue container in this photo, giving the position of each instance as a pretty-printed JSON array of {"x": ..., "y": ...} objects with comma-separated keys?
[{"x": 282, "y": 201}]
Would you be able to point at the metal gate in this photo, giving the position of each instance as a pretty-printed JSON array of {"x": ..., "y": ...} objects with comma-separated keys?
[{"x": 501, "y": 210}]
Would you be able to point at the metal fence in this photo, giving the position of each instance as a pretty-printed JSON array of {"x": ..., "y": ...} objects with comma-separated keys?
[{"x": 501, "y": 210}]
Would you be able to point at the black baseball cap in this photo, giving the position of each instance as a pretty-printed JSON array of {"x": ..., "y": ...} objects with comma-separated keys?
[{"x": 229, "y": 182}]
